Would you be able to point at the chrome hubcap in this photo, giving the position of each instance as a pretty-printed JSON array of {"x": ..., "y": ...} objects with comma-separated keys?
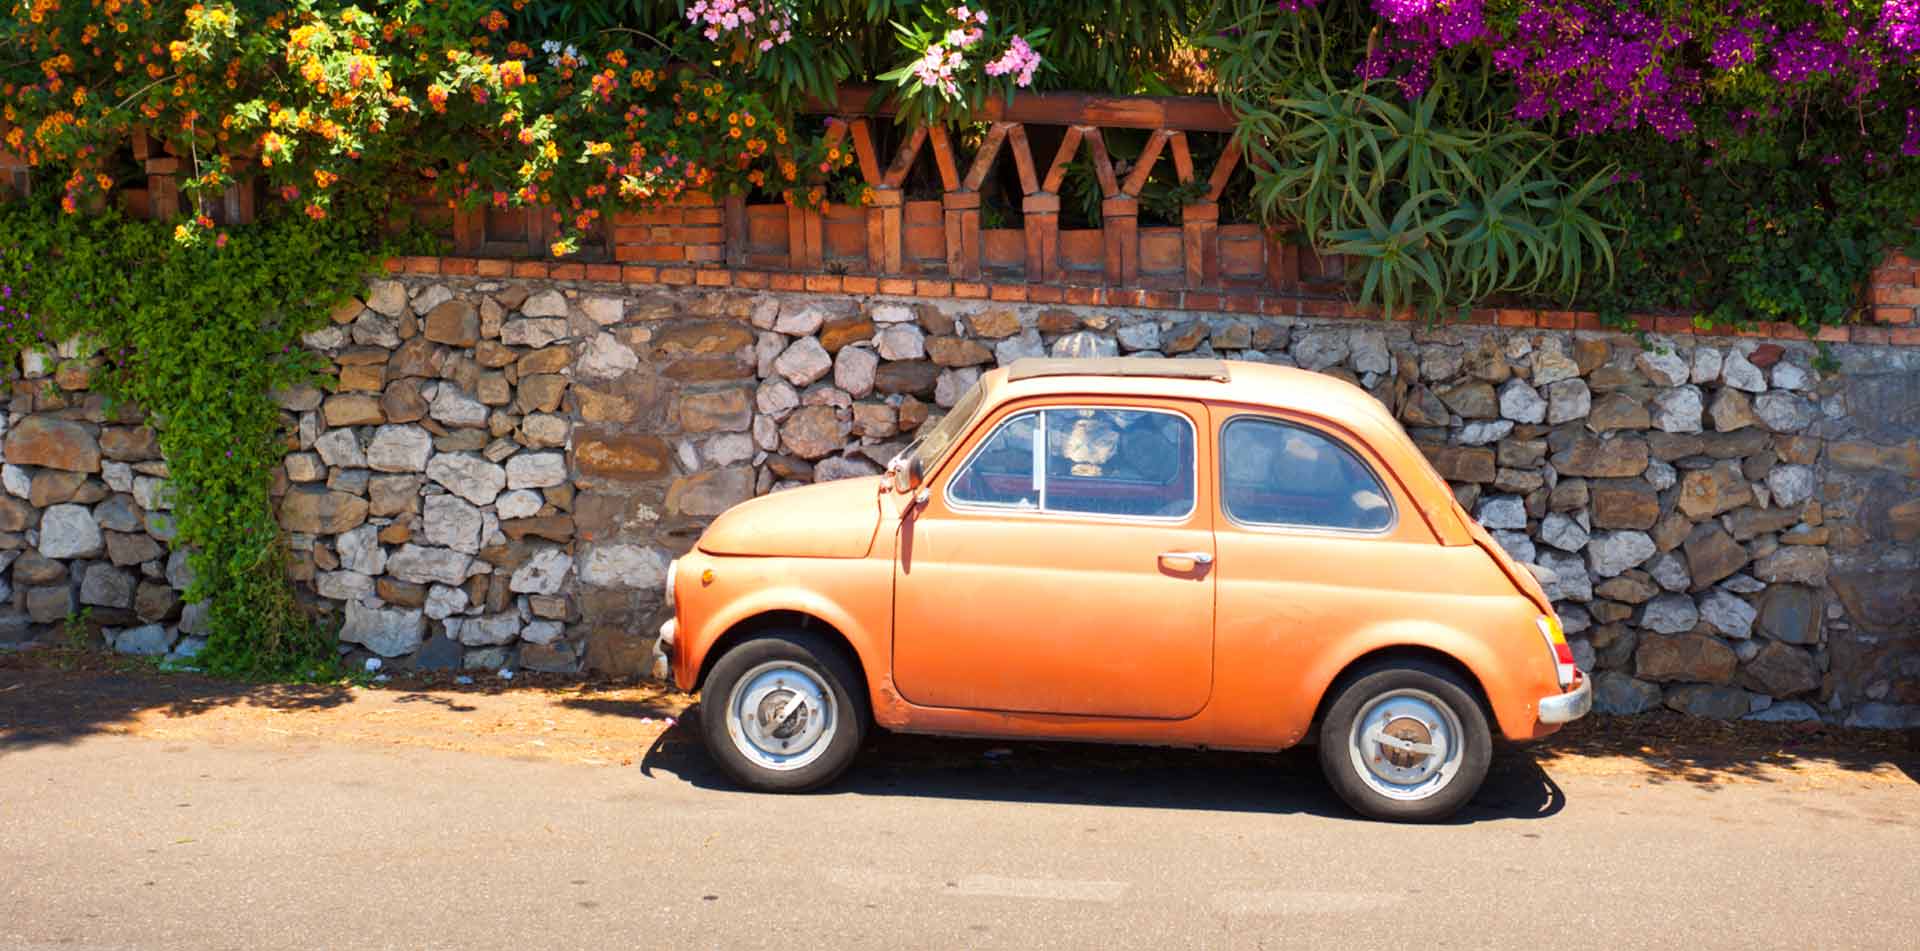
[
  {"x": 1406, "y": 744},
  {"x": 781, "y": 716}
]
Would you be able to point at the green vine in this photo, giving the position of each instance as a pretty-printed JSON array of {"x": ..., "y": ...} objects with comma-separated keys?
[{"x": 196, "y": 337}]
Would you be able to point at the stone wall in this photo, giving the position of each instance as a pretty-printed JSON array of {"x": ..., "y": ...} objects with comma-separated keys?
[
  {"x": 83, "y": 520},
  {"x": 503, "y": 468}
]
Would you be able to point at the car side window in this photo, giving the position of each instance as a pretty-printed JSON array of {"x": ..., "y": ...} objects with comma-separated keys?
[
  {"x": 1119, "y": 462},
  {"x": 1098, "y": 461},
  {"x": 1274, "y": 473},
  {"x": 1001, "y": 472}
]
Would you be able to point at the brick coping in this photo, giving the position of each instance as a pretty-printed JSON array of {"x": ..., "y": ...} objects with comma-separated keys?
[{"x": 1208, "y": 301}]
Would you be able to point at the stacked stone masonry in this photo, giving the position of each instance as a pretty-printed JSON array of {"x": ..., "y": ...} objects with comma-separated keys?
[
  {"x": 500, "y": 470},
  {"x": 84, "y": 519}
]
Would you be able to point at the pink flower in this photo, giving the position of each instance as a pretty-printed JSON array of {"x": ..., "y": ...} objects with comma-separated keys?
[
  {"x": 764, "y": 23},
  {"x": 936, "y": 68},
  {"x": 1019, "y": 60}
]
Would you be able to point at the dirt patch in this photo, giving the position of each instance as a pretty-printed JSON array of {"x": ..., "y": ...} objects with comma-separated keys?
[
  {"x": 605, "y": 723},
  {"x": 1666, "y": 747},
  {"x": 47, "y": 698}
]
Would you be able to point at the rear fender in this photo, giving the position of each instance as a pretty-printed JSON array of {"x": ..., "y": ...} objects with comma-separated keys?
[{"x": 1510, "y": 704}]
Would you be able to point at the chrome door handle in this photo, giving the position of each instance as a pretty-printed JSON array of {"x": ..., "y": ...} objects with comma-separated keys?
[{"x": 1197, "y": 557}]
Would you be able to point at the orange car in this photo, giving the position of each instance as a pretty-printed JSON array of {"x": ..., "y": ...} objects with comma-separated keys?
[{"x": 1166, "y": 552}]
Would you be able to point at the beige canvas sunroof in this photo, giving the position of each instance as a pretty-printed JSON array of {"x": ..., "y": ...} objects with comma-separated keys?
[{"x": 1034, "y": 367}]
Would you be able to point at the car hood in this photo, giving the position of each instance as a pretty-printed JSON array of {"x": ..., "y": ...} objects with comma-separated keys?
[{"x": 824, "y": 520}]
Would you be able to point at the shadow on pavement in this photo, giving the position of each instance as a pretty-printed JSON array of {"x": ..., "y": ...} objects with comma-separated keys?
[
  {"x": 1084, "y": 774},
  {"x": 41, "y": 705},
  {"x": 43, "y": 708},
  {"x": 655, "y": 708}
]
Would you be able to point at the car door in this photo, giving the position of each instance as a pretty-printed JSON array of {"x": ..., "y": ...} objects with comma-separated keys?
[
  {"x": 1315, "y": 543},
  {"x": 1064, "y": 565}
]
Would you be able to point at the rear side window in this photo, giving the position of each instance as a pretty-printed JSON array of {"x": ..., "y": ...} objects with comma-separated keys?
[
  {"x": 1275, "y": 473},
  {"x": 1097, "y": 461}
]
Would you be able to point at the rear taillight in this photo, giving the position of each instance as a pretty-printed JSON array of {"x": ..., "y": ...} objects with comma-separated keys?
[{"x": 1563, "y": 665}]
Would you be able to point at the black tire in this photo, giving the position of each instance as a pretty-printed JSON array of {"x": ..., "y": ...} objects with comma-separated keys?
[
  {"x": 827, "y": 663},
  {"x": 1358, "y": 694}
]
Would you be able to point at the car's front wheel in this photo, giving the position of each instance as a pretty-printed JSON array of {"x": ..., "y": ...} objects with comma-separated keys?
[
  {"x": 1406, "y": 743},
  {"x": 784, "y": 712}
]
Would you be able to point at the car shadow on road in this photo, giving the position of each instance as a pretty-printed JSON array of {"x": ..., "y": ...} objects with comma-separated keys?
[{"x": 898, "y": 765}]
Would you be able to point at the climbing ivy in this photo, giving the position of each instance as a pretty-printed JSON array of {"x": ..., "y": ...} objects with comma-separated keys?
[{"x": 196, "y": 337}]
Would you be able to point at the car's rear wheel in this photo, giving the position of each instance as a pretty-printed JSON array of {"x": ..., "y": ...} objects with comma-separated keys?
[
  {"x": 784, "y": 712},
  {"x": 1406, "y": 743}
]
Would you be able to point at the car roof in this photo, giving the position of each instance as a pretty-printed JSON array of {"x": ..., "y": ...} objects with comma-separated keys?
[
  {"x": 1236, "y": 381},
  {"x": 1305, "y": 392}
]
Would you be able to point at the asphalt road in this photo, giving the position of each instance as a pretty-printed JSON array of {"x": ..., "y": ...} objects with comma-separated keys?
[{"x": 118, "y": 841}]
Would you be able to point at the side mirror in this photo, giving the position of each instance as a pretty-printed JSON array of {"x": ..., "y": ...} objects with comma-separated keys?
[{"x": 906, "y": 472}]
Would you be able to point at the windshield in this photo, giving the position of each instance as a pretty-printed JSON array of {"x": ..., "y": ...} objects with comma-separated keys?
[{"x": 933, "y": 441}]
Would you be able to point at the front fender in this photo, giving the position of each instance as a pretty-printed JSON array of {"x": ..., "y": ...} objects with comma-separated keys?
[{"x": 837, "y": 593}]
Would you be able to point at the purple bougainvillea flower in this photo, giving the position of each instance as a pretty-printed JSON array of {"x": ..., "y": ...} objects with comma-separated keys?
[{"x": 1630, "y": 64}]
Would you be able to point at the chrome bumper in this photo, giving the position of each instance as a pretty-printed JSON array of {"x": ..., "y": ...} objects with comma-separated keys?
[
  {"x": 1565, "y": 707},
  {"x": 663, "y": 650}
]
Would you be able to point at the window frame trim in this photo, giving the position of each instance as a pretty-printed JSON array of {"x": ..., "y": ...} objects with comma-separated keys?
[
  {"x": 1226, "y": 509},
  {"x": 963, "y": 507}
]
